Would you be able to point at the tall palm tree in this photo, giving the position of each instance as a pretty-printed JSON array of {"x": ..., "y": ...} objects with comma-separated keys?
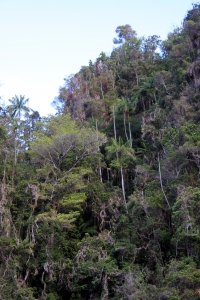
[
  {"x": 126, "y": 105},
  {"x": 18, "y": 106},
  {"x": 124, "y": 153},
  {"x": 122, "y": 106}
]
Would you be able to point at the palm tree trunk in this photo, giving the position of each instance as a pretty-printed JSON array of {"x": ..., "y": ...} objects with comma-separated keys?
[
  {"x": 130, "y": 134},
  {"x": 161, "y": 185},
  {"x": 115, "y": 133},
  {"x": 125, "y": 126},
  {"x": 15, "y": 150},
  {"x": 123, "y": 189}
]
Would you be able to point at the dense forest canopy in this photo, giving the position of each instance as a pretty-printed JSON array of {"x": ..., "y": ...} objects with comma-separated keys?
[{"x": 102, "y": 200}]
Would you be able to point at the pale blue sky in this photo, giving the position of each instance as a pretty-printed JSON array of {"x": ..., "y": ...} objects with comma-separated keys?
[{"x": 43, "y": 41}]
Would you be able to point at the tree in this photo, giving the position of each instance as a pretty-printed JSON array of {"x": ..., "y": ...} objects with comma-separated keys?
[
  {"x": 16, "y": 109},
  {"x": 18, "y": 106},
  {"x": 124, "y": 33},
  {"x": 64, "y": 155},
  {"x": 124, "y": 105},
  {"x": 124, "y": 153}
]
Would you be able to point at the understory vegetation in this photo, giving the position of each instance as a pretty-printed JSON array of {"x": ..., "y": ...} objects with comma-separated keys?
[{"x": 102, "y": 200}]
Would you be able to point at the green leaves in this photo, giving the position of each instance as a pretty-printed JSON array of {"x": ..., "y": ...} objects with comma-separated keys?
[
  {"x": 63, "y": 153},
  {"x": 18, "y": 105},
  {"x": 122, "y": 150},
  {"x": 67, "y": 145},
  {"x": 84, "y": 217}
]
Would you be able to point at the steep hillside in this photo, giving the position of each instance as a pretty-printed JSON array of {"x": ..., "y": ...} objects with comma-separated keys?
[{"x": 102, "y": 200}]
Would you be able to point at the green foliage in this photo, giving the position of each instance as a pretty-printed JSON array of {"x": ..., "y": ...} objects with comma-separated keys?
[
  {"x": 18, "y": 105},
  {"x": 83, "y": 194},
  {"x": 185, "y": 277},
  {"x": 123, "y": 151}
]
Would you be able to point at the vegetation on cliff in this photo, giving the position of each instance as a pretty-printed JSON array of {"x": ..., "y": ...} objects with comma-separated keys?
[{"x": 102, "y": 200}]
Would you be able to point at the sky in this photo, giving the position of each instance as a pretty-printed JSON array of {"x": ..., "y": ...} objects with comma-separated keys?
[{"x": 44, "y": 41}]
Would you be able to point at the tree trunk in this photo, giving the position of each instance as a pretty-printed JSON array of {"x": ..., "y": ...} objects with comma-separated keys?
[
  {"x": 15, "y": 149},
  {"x": 161, "y": 185},
  {"x": 125, "y": 126},
  {"x": 130, "y": 135},
  {"x": 123, "y": 189},
  {"x": 100, "y": 173},
  {"x": 115, "y": 134},
  {"x": 105, "y": 287}
]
